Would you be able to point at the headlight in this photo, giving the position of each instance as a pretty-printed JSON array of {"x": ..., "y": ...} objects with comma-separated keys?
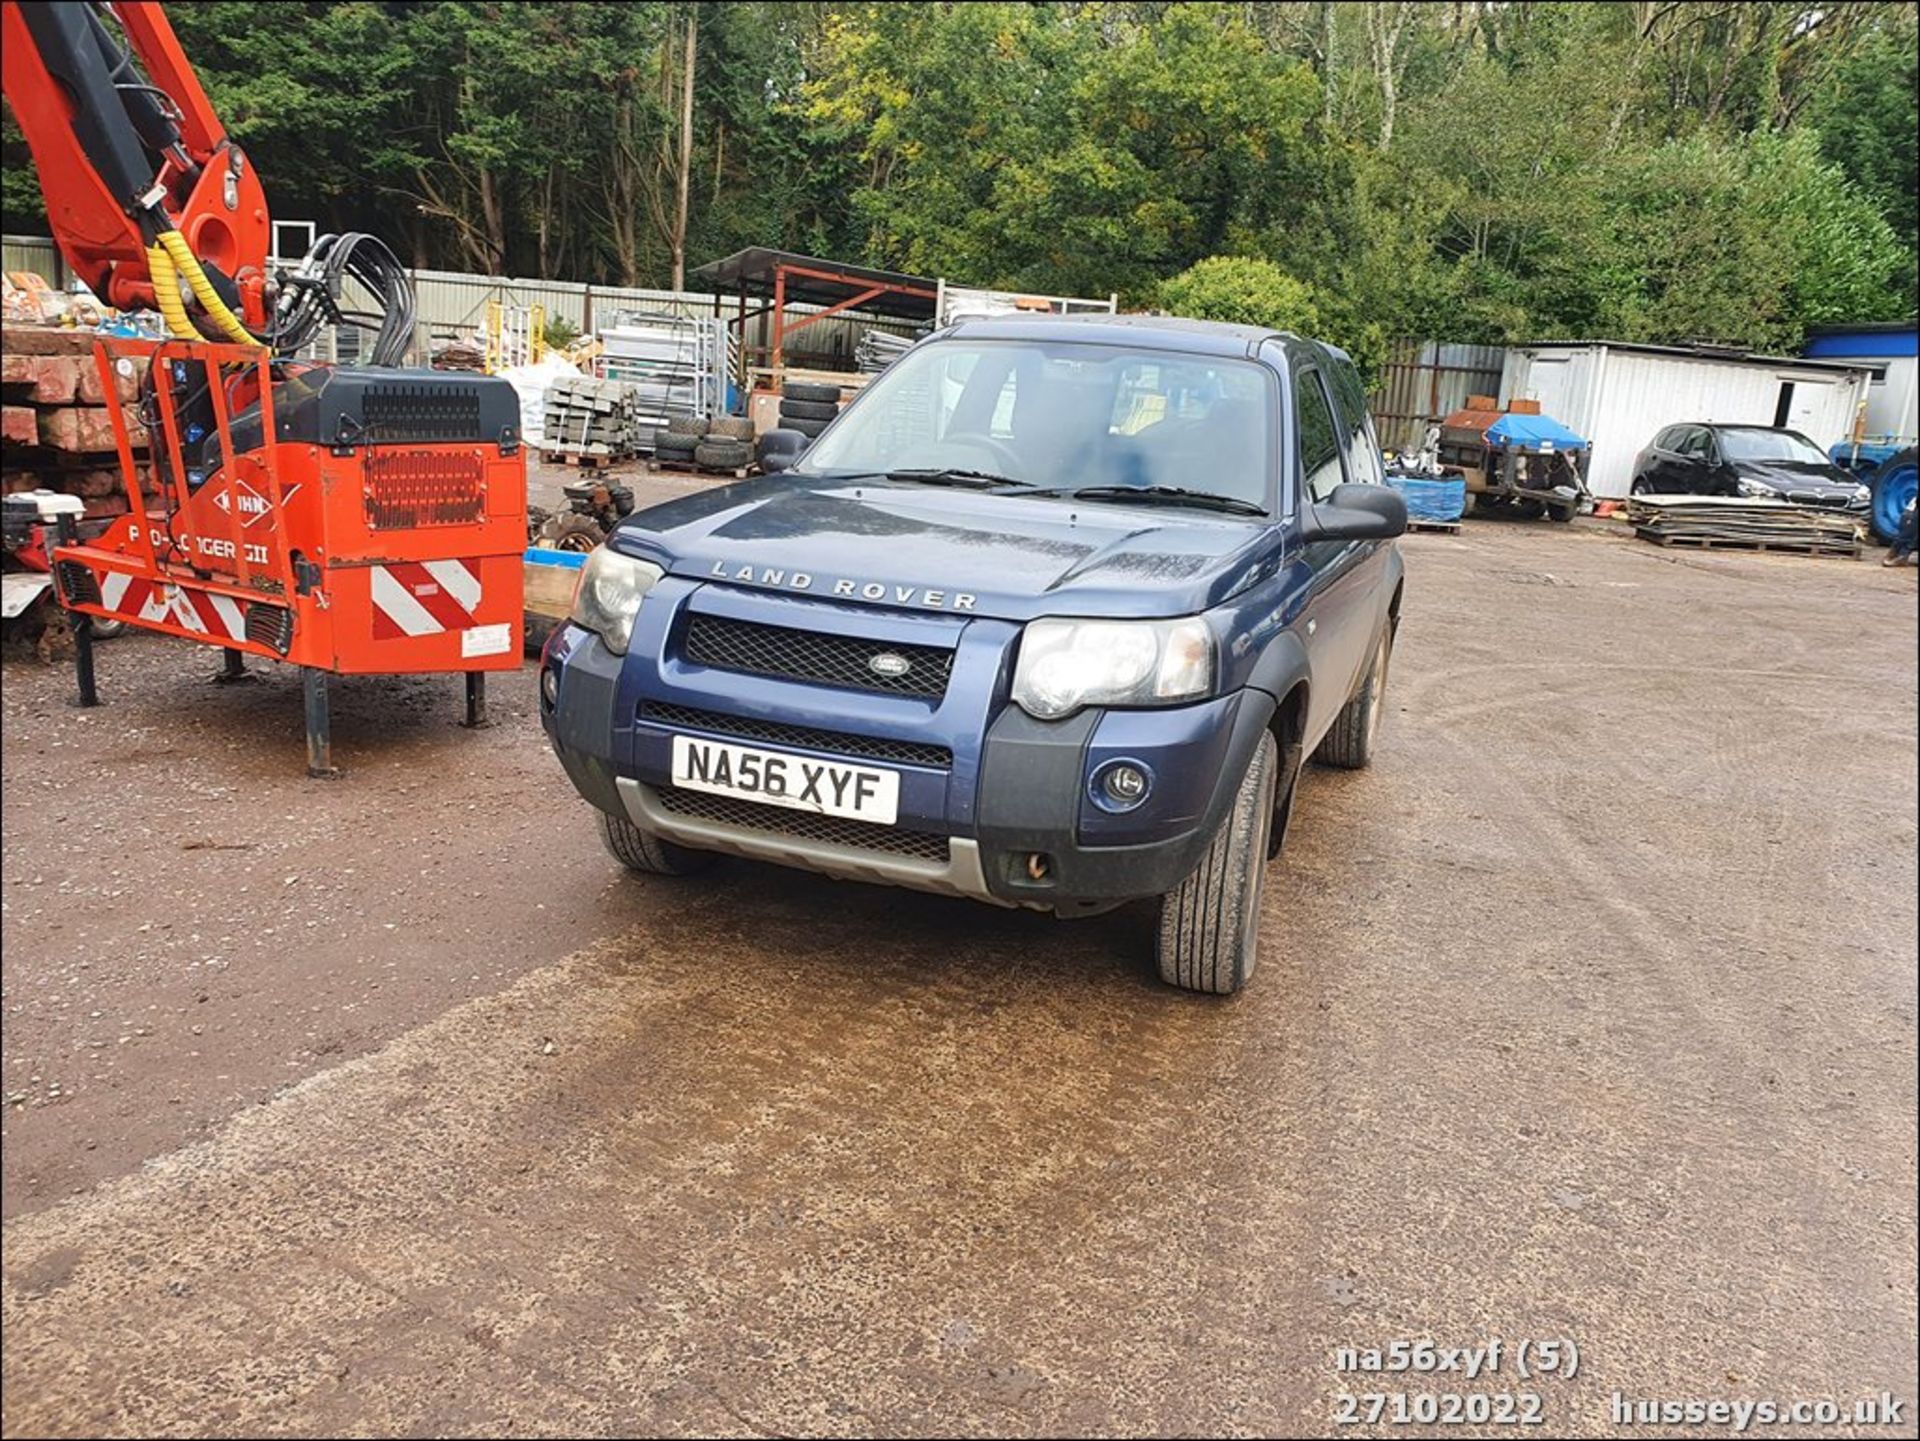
[
  {"x": 1755, "y": 489},
  {"x": 1862, "y": 494},
  {"x": 608, "y": 596},
  {"x": 1067, "y": 664}
]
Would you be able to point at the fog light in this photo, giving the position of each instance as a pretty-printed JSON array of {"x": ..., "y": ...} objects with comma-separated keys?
[
  {"x": 1121, "y": 785},
  {"x": 550, "y": 687}
]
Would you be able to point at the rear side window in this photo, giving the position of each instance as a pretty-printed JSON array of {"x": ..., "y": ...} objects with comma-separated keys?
[
  {"x": 1320, "y": 437},
  {"x": 1692, "y": 441},
  {"x": 1363, "y": 454}
]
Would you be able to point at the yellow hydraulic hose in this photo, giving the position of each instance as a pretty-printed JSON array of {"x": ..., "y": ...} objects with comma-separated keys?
[
  {"x": 166, "y": 293},
  {"x": 209, "y": 298}
]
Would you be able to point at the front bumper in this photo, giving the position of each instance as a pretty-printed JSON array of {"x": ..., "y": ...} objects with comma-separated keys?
[{"x": 1010, "y": 818}]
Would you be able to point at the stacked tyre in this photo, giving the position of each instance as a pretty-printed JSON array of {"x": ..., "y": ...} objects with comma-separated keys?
[
  {"x": 808, "y": 407},
  {"x": 727, "y": 445},
  {"x": 675, "y": 442}
]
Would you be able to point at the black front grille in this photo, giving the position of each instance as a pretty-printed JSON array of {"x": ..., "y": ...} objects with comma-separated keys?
[
  {"x": 913, "y": 753},
  {"x": 804, "y": 825},
  {"x": 839, "y": 660}
]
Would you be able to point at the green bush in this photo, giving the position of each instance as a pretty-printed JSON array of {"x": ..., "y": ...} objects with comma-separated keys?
[{"x": 1243, "y": 291}]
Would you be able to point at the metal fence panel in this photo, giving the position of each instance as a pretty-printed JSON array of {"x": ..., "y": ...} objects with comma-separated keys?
[
  {"x": 35, "y": 253},
  {"x": 1426, "y": 380}
]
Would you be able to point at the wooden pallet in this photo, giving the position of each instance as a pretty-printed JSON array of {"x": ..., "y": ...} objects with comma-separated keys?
[
  {"x": 696, "y": 472},
  {"x": 1438, "y": 527},
  {"x": 1849, "y": 550},
  {"x": 582, "y": 460}
]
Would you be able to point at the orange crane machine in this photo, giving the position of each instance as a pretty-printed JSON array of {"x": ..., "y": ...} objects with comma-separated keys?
[{"x": 349, "y": 520}]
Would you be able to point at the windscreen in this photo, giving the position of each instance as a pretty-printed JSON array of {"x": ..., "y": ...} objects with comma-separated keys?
[
  {"x": 1776, "y": 445},
  {"x": 1060, "y": 416}
]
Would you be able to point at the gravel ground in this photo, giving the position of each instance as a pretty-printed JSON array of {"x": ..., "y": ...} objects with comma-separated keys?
[{"x": 389, "y": 1105}]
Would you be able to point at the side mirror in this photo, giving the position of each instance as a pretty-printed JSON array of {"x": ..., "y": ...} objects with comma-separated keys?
[
  {"x": 780, "y": 448},
  {"x": 1356, "y": 512}
]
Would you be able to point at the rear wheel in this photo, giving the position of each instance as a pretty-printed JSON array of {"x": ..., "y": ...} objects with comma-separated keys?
[
  {"x": 1356, "y": 730},
  {"x": 1893, "y": 486},
  {"x": 1210, "y": 923},
  {"x": 646, "y": 853}
]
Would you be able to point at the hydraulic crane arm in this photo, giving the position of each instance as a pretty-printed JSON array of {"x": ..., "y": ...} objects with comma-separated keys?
[
  {"x": 154, "y": 206},
  {"x": 143, "y": 188}
]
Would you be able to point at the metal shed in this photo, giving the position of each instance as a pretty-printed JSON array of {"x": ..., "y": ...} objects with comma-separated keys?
[{"x": 1618, "y": 395}]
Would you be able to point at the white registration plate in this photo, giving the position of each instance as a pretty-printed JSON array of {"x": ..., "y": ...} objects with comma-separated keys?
[{"x": 860, "y": 793}]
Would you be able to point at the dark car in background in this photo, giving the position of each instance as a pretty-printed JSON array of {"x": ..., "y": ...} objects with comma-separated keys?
[{"x": 1757, "y": 462}]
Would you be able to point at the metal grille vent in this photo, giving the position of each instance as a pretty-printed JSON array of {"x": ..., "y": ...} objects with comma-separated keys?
[
  {"x": 837, "y": 660},
  {"x": 804, "y": 825},
  {"x": 419, "y": 413},
  {"x": 270, "y": 625},
  {"x": 77, "y": 583},
  {"x": 407, "y": 489},
  {"x": 913, "y": 753}
]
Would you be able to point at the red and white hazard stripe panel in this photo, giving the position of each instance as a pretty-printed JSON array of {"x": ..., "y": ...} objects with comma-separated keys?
[
  {"x": 202, "y": 611},
  {"x": 415, "y": 598}
]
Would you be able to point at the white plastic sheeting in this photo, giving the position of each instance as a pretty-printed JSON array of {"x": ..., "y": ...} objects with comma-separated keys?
[{"x": 530, "y": 383}]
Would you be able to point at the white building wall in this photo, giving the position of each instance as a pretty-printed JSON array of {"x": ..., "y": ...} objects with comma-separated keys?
[
  {"x": 1618, "y": 398},
  {"x": 1893, "y": 404}
]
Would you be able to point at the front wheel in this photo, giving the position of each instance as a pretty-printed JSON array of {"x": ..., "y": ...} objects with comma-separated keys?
[
  {"x": 1356, "y": 730},
  {"x": 1210, "y": 922},
  {"x": 648, "y": 854}
]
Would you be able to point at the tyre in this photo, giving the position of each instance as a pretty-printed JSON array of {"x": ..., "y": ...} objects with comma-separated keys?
[
  {"x": 1563, "y": 512},
  {"x": 1210, "y": 923},
  {"x": 807, "y": 428},
  {"x": 808, "y": 390},
  {"x": 686, "y": 423},
  {"x": 722, "y": 454},
  {"x": 808, "y": 410},
  {"x": 730, "y": 427},
  {"x": 1349, "y": 745},
  {"x": 571, "y": 532},
  {"x": 1893, "y": 485},
  {"x": 1641, "y": 486},
  {"x": 648, "y": 854},
  {"x": 104, "y": 629}
]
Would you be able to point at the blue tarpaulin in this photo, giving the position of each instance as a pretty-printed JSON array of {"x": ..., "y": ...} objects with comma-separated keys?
[
  {"x": 1532, "y": 432},
  {"x": 1437, "y": 500}
]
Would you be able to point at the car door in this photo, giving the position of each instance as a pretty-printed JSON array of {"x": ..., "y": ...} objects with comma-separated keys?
[
  {"x": 1694, "y": 463},
  {"x": 1668, "y": 472},
  {"x": 1338, "y": 619}
]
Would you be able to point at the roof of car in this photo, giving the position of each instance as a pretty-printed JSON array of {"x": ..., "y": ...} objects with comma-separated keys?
[{"x": 1157, "y": 332}]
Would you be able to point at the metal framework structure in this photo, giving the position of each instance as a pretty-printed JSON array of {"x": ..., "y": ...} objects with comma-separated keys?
[{"x": 779, "y": 278}]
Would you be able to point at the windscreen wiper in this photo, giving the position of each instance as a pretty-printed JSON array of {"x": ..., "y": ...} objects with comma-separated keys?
[
  {"x": 953, "y": 475},
  {"x": 1161, "y": 495}
]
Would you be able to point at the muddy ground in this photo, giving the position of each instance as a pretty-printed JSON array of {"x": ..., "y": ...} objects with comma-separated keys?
[{"x": 389, "y": 1104}]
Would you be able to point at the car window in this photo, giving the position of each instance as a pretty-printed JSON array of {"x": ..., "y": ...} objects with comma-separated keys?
[
  {"x": 1320, "y": 469},
  {"x": 1750, "y": 443},
  {"x": 1062, "y": 415},
  {"x": 1692, "y": 443},
  {"x": 1363, "y": 452}
]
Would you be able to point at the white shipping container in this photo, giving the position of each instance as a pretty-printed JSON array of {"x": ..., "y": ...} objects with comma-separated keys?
[{"x": 1619, "y": 396}]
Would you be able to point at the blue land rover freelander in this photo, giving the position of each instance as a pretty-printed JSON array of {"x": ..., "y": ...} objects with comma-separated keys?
[{"x": 1050, "y": 616}]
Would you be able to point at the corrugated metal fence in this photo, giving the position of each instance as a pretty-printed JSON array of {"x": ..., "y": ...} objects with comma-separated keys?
[
  {"x": 450, "y": 303},
  {"x": 1425, "y": 380}
]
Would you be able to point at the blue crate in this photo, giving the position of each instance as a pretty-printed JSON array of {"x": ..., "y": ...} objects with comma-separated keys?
[{"x": 1435, "y": 500}]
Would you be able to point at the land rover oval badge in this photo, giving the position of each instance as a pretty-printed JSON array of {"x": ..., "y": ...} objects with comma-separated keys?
[{"x": 889, "y": 664}]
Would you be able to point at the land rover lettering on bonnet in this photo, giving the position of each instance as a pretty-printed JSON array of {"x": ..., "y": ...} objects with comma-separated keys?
[{"x": 1052, "y": 614}]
